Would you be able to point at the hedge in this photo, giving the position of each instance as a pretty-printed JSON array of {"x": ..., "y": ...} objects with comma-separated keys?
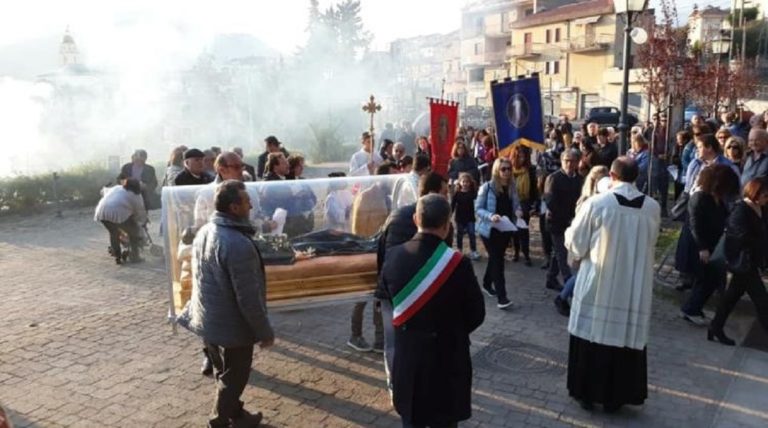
[{"x": 78, "y": 186}]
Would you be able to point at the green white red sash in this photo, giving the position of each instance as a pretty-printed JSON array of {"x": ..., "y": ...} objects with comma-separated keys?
[{"x": 425, "y": 283}]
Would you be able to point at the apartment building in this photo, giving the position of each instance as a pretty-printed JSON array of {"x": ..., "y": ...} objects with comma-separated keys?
[
  {"x": 705, "y": 25},
  {"x": 420, "y": 64},
  {"x": 577, "y": 49}
]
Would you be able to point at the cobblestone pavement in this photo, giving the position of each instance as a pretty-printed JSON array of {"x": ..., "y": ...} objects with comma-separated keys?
[{"x": 84, "y": 343}]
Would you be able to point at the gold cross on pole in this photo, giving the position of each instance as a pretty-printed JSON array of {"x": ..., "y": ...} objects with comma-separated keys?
[{"x": 371, "y": 108}]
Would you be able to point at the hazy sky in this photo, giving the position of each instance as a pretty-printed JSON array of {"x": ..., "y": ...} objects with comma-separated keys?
[{"x": 280, "y": 23}]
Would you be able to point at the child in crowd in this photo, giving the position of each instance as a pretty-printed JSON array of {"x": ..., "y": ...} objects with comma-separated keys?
[
  {"x": 338, "y": 204},
  {"x": 463, "y": 205}
]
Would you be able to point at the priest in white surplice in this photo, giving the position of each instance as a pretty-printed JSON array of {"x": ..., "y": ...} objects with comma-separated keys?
[{"x": 614, "y": 235}]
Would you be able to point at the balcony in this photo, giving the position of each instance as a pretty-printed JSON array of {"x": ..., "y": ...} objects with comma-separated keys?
[
  {"x": 590, "y": 43},
  {"x": 528, "y": 51},
  {"x": 495, "y": 57}
]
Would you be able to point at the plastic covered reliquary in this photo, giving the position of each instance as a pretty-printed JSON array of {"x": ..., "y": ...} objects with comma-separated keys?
[{"x": 317, "y": 237}]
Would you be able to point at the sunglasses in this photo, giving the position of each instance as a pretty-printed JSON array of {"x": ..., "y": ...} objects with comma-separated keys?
[
  {"x": 505, "y": 169},
  {"x": 733, "y": 148}
]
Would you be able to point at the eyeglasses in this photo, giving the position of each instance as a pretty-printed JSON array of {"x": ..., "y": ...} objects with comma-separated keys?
[{"x": 505, "y": 169}]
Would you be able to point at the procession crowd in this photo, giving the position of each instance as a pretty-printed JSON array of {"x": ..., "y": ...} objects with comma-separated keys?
[{"x": 599, "y": 215}]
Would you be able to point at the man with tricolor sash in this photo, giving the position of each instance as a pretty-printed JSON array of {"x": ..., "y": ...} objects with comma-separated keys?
[{"x": 437, "y": 303}]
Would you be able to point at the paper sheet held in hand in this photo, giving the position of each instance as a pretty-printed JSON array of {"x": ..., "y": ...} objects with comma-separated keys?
[{"x": 504, "y": 225}]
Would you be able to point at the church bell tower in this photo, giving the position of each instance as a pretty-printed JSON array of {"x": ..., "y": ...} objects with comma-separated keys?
[{"x": 68, "y": 50}]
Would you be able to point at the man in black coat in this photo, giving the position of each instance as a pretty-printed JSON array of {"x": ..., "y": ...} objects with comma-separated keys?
[
  {"x": 561, "y": 192},
  {"x": 139, "y": 170},
  {"x": 194, "y": 173},
  {"x": 398, "y": 229},
  {"x": 432, "y": 372}
]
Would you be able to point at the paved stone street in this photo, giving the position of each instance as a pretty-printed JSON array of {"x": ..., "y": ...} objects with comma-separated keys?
[{"x": 85, "y": 343}]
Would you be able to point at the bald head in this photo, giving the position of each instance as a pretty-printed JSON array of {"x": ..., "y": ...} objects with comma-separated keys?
[
  {"x": 624, "y": 169},
  {"x": 229, "y": 166},
  {"x": 758, "y": 140}
]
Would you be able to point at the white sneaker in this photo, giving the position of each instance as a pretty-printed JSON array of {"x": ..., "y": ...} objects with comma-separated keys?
[{"x": 359, "y": 344}]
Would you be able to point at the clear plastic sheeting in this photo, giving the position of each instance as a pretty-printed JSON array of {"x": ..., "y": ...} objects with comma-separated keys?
[{"x": 317, "y": 237}]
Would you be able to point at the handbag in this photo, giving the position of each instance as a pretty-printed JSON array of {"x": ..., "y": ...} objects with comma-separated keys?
[
  {"x": 680, "y": 208},
  {"x": 739, "y": 264},
  {"x": 742, "y": 263},
  {"x": 717, "y": 259}
]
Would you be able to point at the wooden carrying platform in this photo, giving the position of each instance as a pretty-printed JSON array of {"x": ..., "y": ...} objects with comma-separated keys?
[{"x": 318, "y": 277}]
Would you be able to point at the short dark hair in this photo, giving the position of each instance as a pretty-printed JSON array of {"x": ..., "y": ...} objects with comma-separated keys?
[
  {"x": 132, "y": 185},
  {"x": 228, "y": 193},
  {"x": 384, "y": 169},
  {"x": 337, "y": 174},
  {"x": 431, "y": 183},
  {"x": 709, "y": 141},
  {"x": 433, "y": 211},
  {"x": 625, "y": 169},
  {"x": 421, "y": 162},
  {"x": 756, "y": 187},
  {"x": 272, "y": 141}
]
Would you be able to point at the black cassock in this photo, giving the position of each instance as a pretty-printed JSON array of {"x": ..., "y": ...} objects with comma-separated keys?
[{"x": 432, "y": 371}]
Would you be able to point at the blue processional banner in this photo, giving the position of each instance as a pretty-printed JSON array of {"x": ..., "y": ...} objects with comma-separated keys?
[{"x": 518, "y": 114}]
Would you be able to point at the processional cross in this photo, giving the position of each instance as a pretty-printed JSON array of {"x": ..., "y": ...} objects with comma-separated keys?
[{"x": 371, "y": 108}]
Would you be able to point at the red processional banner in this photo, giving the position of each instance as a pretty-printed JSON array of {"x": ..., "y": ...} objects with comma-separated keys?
[{"x": 444, "y": 117}]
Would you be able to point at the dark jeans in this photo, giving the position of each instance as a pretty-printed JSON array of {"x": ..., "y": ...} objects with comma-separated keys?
[
  {"x": 706, "y": 280},
  {"x": 410, "y": 425},
  {"x": 496, "y": 246},
  {"x": 559, "y": 261},
  {"x": 131, "y": 228},
  {"x": 546, "y": 240},
  {"x": 522, "y": 238},
  {"x": 357, "y": 321},
  {"x": 749, "y": 283},
  {"x": 567, "y": 291},
  {"x": 469, "y": 229},
  {"x": 231, "y": 369}
]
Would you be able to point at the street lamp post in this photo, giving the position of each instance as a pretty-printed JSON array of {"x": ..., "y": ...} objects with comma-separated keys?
[
  {"x": 630, "y": 8},
  {"x": 720, "y": 46}
]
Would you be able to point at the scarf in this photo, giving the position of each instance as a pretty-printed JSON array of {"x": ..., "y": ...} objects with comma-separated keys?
[{"x": 522, "y": 183}]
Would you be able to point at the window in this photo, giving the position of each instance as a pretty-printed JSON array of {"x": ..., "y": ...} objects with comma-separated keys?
[
  {"x": 528, "y": 12},
  {"x": 476, "y": 75},
  {"x": 549, "y": 36},
  {"x": 556, "y": 67},
  {"x": 557, "y": 35},
  {"x": 546, "y": 67},
  {"x": 478, "y": 48}
]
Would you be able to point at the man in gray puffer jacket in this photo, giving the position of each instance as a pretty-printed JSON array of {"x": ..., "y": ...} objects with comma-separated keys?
[{"x": 228, "y": 307}]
